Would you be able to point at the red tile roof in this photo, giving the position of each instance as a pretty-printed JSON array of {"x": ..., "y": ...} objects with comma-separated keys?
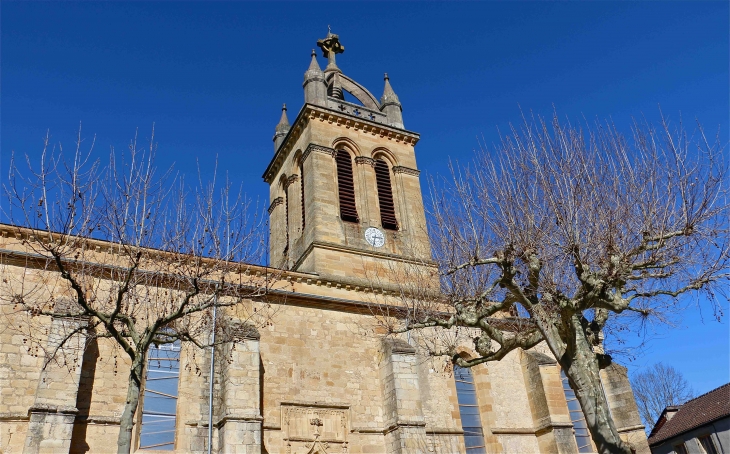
[{"x": 695, "y": 413}]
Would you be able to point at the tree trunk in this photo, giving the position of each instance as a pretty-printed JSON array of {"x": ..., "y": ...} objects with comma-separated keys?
[
  {"x": 124, "y": 441},
  {"x": 580, "y": 365}
]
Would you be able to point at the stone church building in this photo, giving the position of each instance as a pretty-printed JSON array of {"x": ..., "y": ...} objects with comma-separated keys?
[{"x": 345, "y": 202}]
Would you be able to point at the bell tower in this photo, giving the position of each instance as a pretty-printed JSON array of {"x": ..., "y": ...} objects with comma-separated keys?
[{"x": 345, "y": 193}]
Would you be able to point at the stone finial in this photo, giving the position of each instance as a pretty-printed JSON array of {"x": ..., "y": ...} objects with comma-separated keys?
[
  {"x": 390, "y": 105},
  {"x": 315, "y": 86},
  {"x": 281, "y": 129},
  {"x": 283, "y": 125},
  {"x": 330, "y": 46},
  {"x": 314, "y": 68},
  {"x": 389, "y": 96}
]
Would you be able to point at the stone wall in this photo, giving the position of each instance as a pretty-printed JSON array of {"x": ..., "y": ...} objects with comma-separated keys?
[{"x": 317, "y": 377}]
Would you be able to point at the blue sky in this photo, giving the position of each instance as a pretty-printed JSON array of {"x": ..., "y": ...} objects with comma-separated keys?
[{"x": 212, "y": 78}]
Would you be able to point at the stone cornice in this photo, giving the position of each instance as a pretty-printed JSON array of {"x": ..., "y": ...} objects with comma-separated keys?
[
  {"x": 310, "y": 112},
  {"x": 290, "y": 180},
  {"x": 364, "y": 252},
  {"x": 277, "y": 201},
  {"x": 319, "y": 149},
  {"x": 406, "y": 170},
  {"x": 364, "y": 160}
]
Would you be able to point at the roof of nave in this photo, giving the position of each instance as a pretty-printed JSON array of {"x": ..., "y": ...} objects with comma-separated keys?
[{"x": 293, "y": 286}]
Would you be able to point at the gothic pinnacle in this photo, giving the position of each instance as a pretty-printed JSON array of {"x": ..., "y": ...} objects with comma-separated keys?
[
  {"x": 281, "y": 129},
  {"x": 314, "y": 68},
  {"x": 283, "y": 125},
  {"x": 389, "y": 96},
  {"x": 390, "y": 105}
]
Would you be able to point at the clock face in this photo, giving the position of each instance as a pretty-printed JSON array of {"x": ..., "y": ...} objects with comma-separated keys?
[{"x": 374, "y": 237}]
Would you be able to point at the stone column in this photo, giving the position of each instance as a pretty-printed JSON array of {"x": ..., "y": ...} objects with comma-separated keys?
[
  {"x": 553, "y": 427},
  {"x": 405, "y": 425},
  {"x": 239, "y": 416},
  {"x": 623, "y": 407},
  {"x": 54, "y": 410}
]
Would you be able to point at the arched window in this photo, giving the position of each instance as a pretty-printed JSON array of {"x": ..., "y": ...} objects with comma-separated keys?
[
  {"x": 301, "y": 182},
  {"x": 284, "y": 182},
  {"x": 580, "y": 428},
  {"x": 385, "y": 195},
  {"x": 286, "y": 209},
  {"x": 346, "y": 187},
  {"x": 471, "y": 422},
  {"x": 159, "y": 398}
]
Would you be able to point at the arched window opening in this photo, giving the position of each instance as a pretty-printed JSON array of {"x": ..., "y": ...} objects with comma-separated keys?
[
  {"x": 580, "y": 428},
  {"x": 385, "y": 195},
  {"x": 286, "y": 214},
  {"x": 471, "y": 422},
  {"x": 301, "y": 182},
  {"x": 159, "y": 399},
  {"x": 346, "y": 187}
]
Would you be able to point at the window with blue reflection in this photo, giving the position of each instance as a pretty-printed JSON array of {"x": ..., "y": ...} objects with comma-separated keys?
[
  {"x": 471, "y": 423},
  {"x": 159, "y": 404},
  {"x": 582, "y": 436}
]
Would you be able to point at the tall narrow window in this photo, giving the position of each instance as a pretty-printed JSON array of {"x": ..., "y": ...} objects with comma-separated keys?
[
  {"x": 301, "y": 182},
  {"x": 580, "y": 428},
  {"x": 159, "y": 404},
  {"x": 385, "y": 195},
  {"x": 346, "y": 187},
  {"x": 466, "y": 394},
  {"x": 286, "y": 213}
]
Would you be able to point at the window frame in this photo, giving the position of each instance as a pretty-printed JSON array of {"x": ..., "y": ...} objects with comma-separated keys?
[
  {"x": 344, "y": 188},
  {"x": 576, "y": 417},
  {"x": 464, "y": 376},
  {"x": 713, "y": 446},
  {"x": 386, "y": 200},
  {"x": 176, "y": 348}
]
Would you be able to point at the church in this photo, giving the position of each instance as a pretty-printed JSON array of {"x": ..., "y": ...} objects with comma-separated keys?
[{"x": 345, "y": 204}]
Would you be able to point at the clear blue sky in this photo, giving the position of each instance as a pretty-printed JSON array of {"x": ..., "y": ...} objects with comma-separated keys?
[{"x": 212, "y": 77}]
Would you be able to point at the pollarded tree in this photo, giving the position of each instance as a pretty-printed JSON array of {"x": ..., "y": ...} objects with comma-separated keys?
[
  {"x": 658, "y": 387},
  {"x": 580, "y": 232},
  {"x": 128, "y": 254}
]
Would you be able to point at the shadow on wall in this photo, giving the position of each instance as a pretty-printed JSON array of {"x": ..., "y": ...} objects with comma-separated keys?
[{"x": 83, "y": 399}]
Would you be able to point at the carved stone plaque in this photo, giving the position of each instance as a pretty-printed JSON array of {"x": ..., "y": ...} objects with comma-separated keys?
[{"x": 314, "y": 423}]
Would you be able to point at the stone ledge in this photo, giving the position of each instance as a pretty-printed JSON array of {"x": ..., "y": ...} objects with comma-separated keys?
[
  {"x": 399, "y": 346},
  {"x": 444, "y": 431},
  {"x": 101, "y": 420},
  {"x": 238, "y": 418},
  {"x": 14, "y": 417},
  {"x": 406, "y": 170},
  {"x": 404, "y": 424},
  {"x": 513, "y": 431},
  {"x": 315, "y": 404},
  {"x": 552, "y": 425},
  {"x": 631, "y": 428},
  {"x": 45, "y": 408}
]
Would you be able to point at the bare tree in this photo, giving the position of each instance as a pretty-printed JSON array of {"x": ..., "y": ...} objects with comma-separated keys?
[
  {"x": 659, "y": 387},
  {"x": 564, "y": 234},
  {"x": 134, "y": 255}
]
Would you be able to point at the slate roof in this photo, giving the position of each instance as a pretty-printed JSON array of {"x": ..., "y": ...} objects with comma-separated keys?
[{"x": 697, "y": 412}]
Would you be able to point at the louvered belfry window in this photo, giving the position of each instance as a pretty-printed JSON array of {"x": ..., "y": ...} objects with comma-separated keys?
[
  {"x": 385, "y": 195},
  {"x": 301, "y": 181},
  {"x": 346, "y": 187}
]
